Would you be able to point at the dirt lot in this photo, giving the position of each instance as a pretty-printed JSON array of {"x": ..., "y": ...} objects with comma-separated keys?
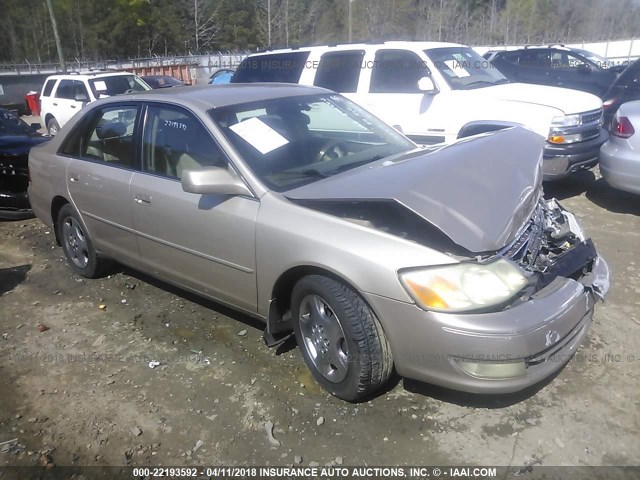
[{"x": 83, "y": 392}]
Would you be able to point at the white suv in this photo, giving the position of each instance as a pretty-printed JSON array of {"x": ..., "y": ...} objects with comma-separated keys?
[
  {"x": 438, "y": 92},
  {"x": 63, "y": 96}
]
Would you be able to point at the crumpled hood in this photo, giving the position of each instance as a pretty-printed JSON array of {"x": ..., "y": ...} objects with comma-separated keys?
[
  {"x": 15, "y": 145},
  {"x": 566, "y": 100},
  {"x": 479, "y": 191}
]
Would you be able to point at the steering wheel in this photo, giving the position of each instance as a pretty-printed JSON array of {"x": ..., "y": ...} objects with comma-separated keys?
[
  {"x": 131, "y": 90},
  {"x": 331, "y": 150}
]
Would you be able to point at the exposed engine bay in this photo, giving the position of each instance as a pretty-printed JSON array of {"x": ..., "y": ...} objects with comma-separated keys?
[{"x": 550, "y": 245}]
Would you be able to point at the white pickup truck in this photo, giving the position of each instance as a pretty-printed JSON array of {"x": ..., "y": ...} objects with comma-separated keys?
[{"x": 438, "y": 92}]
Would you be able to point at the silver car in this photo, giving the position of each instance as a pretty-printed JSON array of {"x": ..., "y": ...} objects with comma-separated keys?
[
  {"x": 297, "y": 206},
  {"x": 620, "y": 156}
]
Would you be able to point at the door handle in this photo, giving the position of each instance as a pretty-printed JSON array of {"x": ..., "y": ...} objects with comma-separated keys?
[
  {"x": 55, "y": 104},
  {"x": 142, "y": 199},
  {"x": 73, "y": 106},
  {"x": 73, "y": 178}
]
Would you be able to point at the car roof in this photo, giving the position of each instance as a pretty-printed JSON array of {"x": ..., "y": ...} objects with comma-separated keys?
[
  {"x": 79, "y": 76},
  {"x": 402, "y": 45},
  {"x": 205, "y": 97}
]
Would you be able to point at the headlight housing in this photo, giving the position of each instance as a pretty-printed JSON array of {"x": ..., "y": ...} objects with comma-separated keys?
[
  {"x": 566, "y": 121},
  {"x": 464, "y": 287}
]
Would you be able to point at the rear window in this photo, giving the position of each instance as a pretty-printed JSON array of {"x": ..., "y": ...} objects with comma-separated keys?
[
  {"x": 340, "y": 71},
  {"x": 46, "y": 91},
  {"x": 278, "y": 67}
]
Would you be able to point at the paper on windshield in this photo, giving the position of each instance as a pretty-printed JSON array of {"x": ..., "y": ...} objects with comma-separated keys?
[
  {"x": 457, "y": 68},
  {"x": 100, "y": 85},
  {"x": 259, "y": 135}
]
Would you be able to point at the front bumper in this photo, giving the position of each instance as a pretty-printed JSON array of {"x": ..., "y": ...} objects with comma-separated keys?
[
  {"x": 14, "y": 205},
  {"x": 543, "y": 333},
  {"x": 562, "y": 160}
]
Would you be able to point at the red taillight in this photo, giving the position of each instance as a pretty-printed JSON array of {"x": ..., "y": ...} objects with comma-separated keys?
[{"x": 622, "y": 127}]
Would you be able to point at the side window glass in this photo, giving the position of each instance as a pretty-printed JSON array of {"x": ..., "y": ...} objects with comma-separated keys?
[
  {"x": 80, "y": 91},
  {"x": 174, "y": 141},
  {"x": 340, "y": 71},
  {"x": 65, "y": 89},
  {"x": 107, "y": 136},
  {"x": 535, "y": 59},
  {"x": 48, "y": 87},
  {"x": 397, "y": 71}
]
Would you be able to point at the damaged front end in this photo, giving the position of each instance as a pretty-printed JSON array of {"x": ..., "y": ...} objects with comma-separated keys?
[{"x": 552, "y": 245}]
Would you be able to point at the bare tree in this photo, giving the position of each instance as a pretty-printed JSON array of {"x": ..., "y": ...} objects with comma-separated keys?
[{"x": 205, "y": 22}]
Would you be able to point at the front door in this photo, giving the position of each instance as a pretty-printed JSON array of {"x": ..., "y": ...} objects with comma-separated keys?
[
  {"x": 393, "y": 94},
  {"x": 64, "y": 102},
  {"x": 203, "y": 242}
]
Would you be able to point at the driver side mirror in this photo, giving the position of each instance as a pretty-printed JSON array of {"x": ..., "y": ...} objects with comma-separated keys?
[
  {"x": 81, "y": 97},
  {"x": 426, "y": 85},
  {"x": 35, "y": 126},
  {"x": 213, "y": 180}
]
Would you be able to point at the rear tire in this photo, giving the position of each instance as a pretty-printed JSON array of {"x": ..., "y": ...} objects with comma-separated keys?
[
  {"x": 53, "y": 127},
  {"x": 340, "y": 338},
  {"x": 77, "y": 245}
]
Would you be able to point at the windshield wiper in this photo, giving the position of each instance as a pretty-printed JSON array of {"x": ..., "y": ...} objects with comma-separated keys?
[
  {"x": 485, "y": 82},
  {"x": 349, "y": 166},
  {"x": 311, "y": 172}
]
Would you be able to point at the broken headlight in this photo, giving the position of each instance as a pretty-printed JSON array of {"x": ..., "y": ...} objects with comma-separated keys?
[{"x": 464, "y": 287}]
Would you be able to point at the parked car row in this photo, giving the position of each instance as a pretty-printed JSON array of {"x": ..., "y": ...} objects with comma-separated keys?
[{"x": 441, "y": 92}]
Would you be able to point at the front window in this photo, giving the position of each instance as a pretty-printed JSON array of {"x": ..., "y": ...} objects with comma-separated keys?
[
  {"x": 175, "y": 141},
  {"x": 116, "y": 85},
  {"x": 397, "y": 71},
  {"x": 596, "y": 59},
  {"x": 463, "y": 68},
  {"x": 292, "y": 141}
]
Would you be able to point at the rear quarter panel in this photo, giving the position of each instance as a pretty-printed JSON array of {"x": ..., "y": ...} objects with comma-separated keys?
[{"x": 48, "y": 179}]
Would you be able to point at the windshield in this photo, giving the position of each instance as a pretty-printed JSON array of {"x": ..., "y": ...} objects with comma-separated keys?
[
  {"x": 463, "y": 68},
  {"x": 596, "y": 59},
  {"x": 117, "y": 85},
  {"x": 12, "y": 125},
  {"x": 292, "y": 141}
]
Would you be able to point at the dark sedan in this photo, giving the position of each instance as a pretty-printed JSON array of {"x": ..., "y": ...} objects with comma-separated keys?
[
  {"x": 557, "y": 66},
  {"x": 16, "y": 139}
]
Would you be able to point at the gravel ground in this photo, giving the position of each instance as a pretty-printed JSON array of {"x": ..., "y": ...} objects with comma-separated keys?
[{"x": 76, "y": 384}]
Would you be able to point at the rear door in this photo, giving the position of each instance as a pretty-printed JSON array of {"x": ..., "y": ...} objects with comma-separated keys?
[
  {"x": 103, "y": 158},
  {"x": 202, "y": 242}
]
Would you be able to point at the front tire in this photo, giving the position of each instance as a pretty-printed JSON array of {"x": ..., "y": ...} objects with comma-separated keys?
[
  {"x": 77, "y": 245},
  {"x": 340, "y": 338},
  {"x": 53, "y": 127}
]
